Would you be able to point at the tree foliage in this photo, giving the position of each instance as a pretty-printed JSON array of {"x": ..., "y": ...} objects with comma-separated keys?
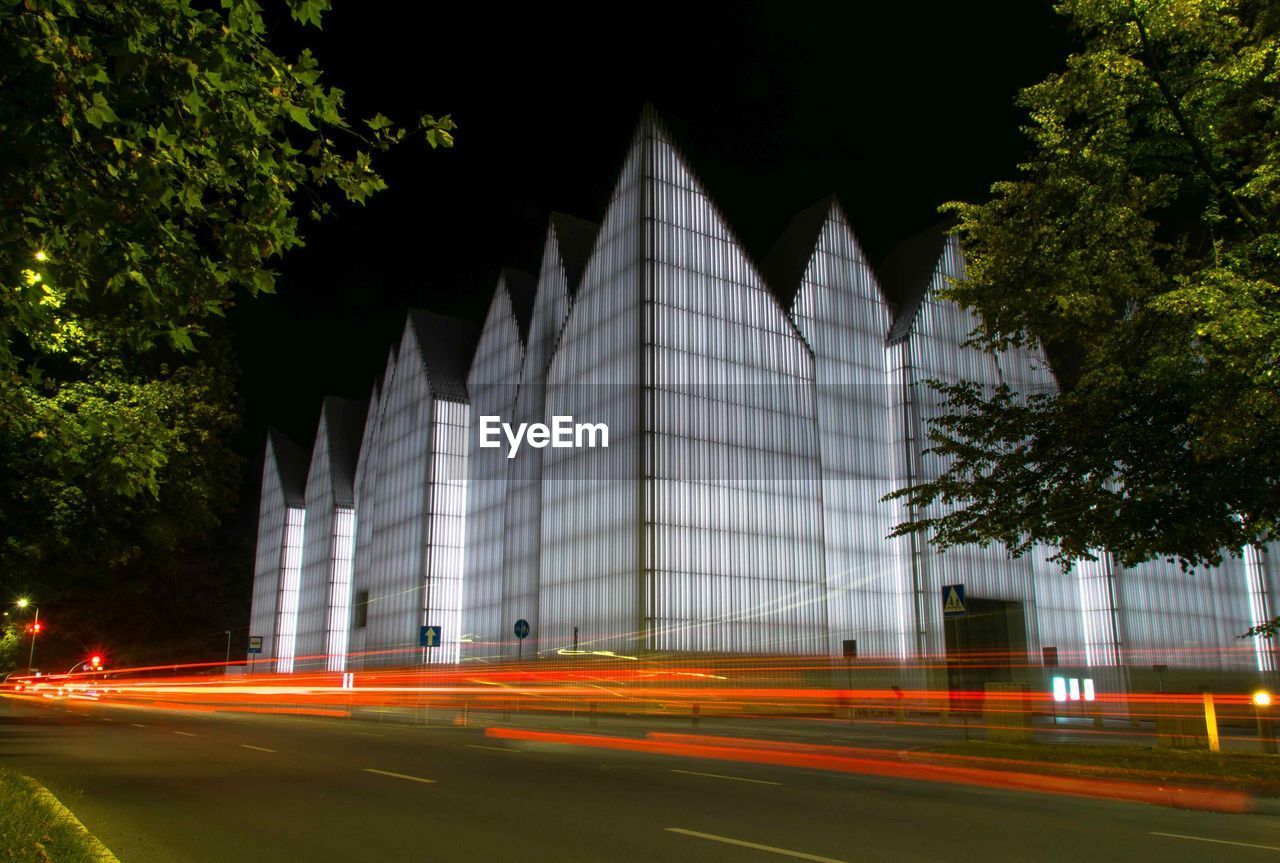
[
  {"x": 157, "y": 158},
  {"x": 1140, "y": 245}
]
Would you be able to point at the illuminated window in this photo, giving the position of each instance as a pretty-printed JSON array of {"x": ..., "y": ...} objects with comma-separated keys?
[
  {"x": 1059, "y": 689},
  {"x": 361, "y": 610},
  {"x": 344, "y": 519},
  {"x": 290, "y": 576},
  {"x": 446, "y": 524}
]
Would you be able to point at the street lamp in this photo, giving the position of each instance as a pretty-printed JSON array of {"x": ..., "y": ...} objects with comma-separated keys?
[
  {"x": 1266, "y": 725},
  {"x": 35, "y": 630}
]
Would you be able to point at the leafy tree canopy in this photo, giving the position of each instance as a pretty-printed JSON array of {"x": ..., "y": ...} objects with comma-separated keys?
[
  {"x": 157, "y": 158},
  {"x": 1140, "y": 245}
]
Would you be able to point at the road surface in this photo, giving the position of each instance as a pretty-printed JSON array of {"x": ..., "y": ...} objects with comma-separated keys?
[{"x": 159, "y": 786}]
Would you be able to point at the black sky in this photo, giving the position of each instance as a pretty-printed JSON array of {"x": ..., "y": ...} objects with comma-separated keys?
[{"x": 894, "y": 107}]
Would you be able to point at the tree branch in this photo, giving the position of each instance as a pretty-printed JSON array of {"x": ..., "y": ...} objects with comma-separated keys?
[{"x": 1184, "y": 125}]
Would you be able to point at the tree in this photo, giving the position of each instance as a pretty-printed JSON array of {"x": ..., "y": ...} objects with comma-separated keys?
[
  {"x": 1140, "y": 245},
  {"x": 157, "y": 158},
  {"x": 10, "y": 645}
]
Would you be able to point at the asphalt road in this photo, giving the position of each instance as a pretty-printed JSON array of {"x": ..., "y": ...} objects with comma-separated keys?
[{"x": 159, "y": 786}]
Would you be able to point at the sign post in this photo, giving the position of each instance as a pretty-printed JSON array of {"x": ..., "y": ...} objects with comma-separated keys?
[
  {"x": 522, "y": 632},
  {"x": 429, "y": 636},
  {"x": 953, "y": 606},
  {"x": 255, "y": 648},
  {"x": 850, "y": 646}
]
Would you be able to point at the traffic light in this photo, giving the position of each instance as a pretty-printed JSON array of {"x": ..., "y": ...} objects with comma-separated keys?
[
  {"x": 35, "y": 628},
  {"x": 95, "y": 661}
]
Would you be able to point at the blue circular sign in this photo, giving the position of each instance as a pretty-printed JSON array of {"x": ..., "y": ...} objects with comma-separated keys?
[{"x": 522, "y": 628}]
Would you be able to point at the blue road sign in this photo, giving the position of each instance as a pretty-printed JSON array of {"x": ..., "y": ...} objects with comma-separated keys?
[
  {"x": 522, "y": 628},
  {"x": 255, "y": 644},
  {"x": 429, "y": 636},
  {"x": 953, "y": 600}
]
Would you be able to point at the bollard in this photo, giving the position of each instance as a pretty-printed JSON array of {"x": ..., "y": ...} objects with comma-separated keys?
[
  {"x": 1211, "y": 723},
  {"x": 697, "y": 708},
  {"x": 593, "y": 713},
  {"x": 900, "y": 710}
]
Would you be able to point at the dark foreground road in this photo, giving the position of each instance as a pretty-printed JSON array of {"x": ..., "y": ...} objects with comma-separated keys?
[{"x": 164, "y": 787}]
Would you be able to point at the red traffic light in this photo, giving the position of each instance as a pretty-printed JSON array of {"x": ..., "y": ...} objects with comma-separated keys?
[
  {"x": 95, "y": 661},
  {"x": 35, "y": 627}
]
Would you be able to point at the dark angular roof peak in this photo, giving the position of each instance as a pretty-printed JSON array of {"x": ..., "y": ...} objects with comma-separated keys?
[
  {"x": 576, "y": 239},
  {"x": 292, "y": 463},
  {"x": 521, "y": 288},
  {"x": 907, "y": 272},
  {"x": 447, "y": 346},
  {"x": 344, "y": 419},
  {"x": 785, "y": 266}
]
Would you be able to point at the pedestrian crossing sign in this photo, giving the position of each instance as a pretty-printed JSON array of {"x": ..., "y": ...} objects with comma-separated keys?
[{"x": 953, "y": 600}]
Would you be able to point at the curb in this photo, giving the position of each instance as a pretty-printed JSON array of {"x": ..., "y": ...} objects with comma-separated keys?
[
  {"x": 100, "y": 852},
  {"x": 1265, "y": 805}
]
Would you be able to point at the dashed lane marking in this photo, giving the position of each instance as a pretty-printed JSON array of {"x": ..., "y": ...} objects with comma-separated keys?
[
  {"x": 397, "y": 775},
  {"x": 1216, "y": 841},
  {"x": 722, "y": 776},
  {"x": 727, "y": 840}
]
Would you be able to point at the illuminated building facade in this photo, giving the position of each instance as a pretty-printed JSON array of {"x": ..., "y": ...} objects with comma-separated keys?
[
  {"x": 757, "y": 417},
  {"x": 277, "y": 567},
  {"x": 328, "y": 548}
]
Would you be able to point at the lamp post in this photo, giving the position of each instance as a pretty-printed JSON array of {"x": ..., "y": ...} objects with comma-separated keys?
[{"x": 35, "y": 630}]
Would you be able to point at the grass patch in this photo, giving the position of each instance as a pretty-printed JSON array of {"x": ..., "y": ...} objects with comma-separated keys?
[
  {"x": 32, "y": 832},
  {"x": 1241, "y": 770}
]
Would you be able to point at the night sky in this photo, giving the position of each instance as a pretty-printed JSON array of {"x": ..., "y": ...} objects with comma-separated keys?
[{"x": 894, "y": 107}]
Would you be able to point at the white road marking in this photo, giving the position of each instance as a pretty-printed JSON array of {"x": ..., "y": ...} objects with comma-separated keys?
[
  {"x": 137, "y": 725},
  {"x": 722, "y": 776},
  {"x": 740, "y": 843},
  {"x": 397, "y": 775},
  {"x": 255, "y": 748},
  {"x": 493, "y": 748},
  {"x": 184, "y": 733},
  {"x": 367, "y": 734},
  {"x": 1217, "y": 841},
  {"x": 106, "y": 719}
]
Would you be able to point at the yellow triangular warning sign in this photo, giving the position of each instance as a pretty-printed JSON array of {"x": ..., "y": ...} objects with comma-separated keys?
[{"x": 953, "y": 605}]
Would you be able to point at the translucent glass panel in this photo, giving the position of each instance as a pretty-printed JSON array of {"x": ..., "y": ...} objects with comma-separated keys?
[
  {"x": 368, "y": 468},
  {"x": 316, "y": 551},
  {"x": 935, "y": 351},
  {"x": 842, "y": 314},
  {"x": 491, "y": 385},
  {"x": 1170, "y": 617},
  {"x": 338, "y": 608},
  {"x": 395, "y": 513},
  {"x": 733, "y": 543},
  {"x": 590, "y": 566},
  {"x": 1261, "y": 570},
  {"x": 446, "y": 526},
  {"x": 290, "y": 576},
  {"x": 523, "y": 526},
  {"x": 1097, "y": 613},
  {"x": 266, "y": 567}
]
